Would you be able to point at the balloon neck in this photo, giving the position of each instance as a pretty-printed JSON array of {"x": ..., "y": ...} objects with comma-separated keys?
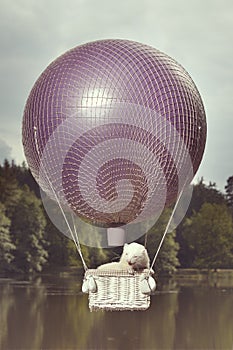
[{"x": 116, "y": 236}]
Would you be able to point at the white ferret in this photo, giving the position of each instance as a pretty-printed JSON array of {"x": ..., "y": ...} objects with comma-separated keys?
[{"x": 134, "y": 257}]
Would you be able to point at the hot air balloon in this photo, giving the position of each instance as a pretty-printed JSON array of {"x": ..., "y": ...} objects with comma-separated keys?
[{"x": 114, "y": 130}]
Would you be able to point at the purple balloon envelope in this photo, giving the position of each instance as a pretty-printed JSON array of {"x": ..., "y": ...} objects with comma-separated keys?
[{"x": 115, "y": 129}]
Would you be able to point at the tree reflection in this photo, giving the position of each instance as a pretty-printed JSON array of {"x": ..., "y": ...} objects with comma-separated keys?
[
  {"x": 52, "y": 313},
  {"x": 151, "y": 329},
  {"x": 204, "y": 320},
  {"x": 24, "y": 319},
  {"x": 6, "y": 304}
]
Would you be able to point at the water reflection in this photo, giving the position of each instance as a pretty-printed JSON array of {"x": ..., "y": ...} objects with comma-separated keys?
[
  {"x": 205, "y": 319},
  {"x": 22, "y": 319},
  {"x": 6, "y": 303},
  {"x": 51, "y": 313}
]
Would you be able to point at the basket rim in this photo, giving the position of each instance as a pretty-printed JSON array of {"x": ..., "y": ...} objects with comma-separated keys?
[{"x": 123, "y": 273}]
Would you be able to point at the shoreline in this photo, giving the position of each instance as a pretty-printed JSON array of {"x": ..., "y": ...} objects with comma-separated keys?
[
  {"x": 180, "y": 273},
  {"x": 183, "y": 278}
]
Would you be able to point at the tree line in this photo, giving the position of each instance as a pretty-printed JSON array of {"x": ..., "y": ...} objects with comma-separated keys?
[{"x": 30, "y": 243}]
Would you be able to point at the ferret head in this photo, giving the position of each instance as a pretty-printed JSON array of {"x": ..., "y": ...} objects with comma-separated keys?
[{"x": 136, "y": 256}]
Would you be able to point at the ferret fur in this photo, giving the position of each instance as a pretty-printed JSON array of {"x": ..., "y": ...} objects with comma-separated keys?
[{"x": 134, "y": 257}]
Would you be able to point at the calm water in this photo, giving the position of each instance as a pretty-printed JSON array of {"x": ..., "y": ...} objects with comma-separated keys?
[{"x": 51, "y": 313}]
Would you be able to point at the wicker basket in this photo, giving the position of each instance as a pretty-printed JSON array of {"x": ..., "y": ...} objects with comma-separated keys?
[{"x": 117, "y": 290}]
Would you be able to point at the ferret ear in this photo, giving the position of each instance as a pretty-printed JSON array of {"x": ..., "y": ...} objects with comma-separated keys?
[{"x": 125, "y": 245}]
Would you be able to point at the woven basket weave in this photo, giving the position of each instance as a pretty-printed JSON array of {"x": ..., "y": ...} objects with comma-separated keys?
[{"x": 117, "y": 290}]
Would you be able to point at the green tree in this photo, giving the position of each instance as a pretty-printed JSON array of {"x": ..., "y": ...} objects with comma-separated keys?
[
  {"x": 209, "y": 234},
  {"x": 229, "y": 192},
  {"x": 202, "y": 193},
  {"x": 24, "y": 177},
  {"x": 28, "y": 233},
  {"x": 9, "y": 193},
  {"x": 167, "y": 260},
  {"x": 61, "y": 250},
  {"x": 6, "y": 246}
]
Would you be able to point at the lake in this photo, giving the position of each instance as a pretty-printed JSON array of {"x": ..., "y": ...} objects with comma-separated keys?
[{"x": 51, "y": 313}]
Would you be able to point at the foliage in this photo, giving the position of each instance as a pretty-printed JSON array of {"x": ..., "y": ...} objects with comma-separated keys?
[
  {"x": 167, "y": 258},
  {"x": 9, "y": 189},
  {"x": 27, "y": 230},
  {"x": 61, "y": 250},
  {"x": 209, "y": 234},
  {"x": 202, "y": 193},
  {"x": 6, "y": 246},
  {"x": 229, "y": 192}
]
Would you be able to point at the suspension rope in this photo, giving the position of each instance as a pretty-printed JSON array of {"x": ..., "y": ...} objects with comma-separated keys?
[
  {"x": 76, "y": 241},
  {"x": 68, "y": 225},
  {"x": 78, "y": 244},
  {"x": 166, "y": 229},
  {"x": 146, "y": 239}
]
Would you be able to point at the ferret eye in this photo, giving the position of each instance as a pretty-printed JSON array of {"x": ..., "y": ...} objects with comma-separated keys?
[{"x": 135, "y": 256}]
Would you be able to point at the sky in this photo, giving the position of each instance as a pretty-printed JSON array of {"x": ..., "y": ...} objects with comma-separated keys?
[{"x": 196, "y": 33}]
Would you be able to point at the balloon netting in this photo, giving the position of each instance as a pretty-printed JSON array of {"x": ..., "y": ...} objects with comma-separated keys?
[{"x": 115, "y": 127}]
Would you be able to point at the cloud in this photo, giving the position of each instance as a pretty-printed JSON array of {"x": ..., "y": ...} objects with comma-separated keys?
[{"x": 5, "y": 151}]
